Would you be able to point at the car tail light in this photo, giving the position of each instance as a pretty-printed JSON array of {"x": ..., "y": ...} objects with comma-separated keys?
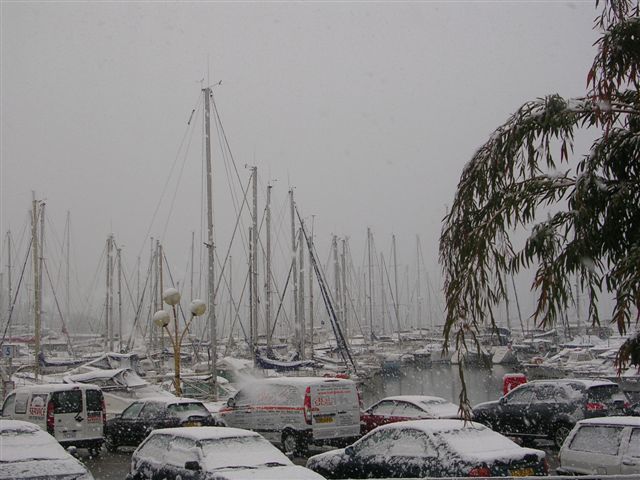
[
  {"x": 545, "y": 465},
  {"x": 307, "y": 406},
  {"x": 360, "y": 404},
  {"x": 480, "y": 472},
  {"x": 595, "y": 406},
  {"x": 51, "y": 425}
]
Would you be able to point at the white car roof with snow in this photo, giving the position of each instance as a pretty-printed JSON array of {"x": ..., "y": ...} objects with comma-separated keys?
[
  {"x": 623, "y": 421},
  {"x": 56, "y": 387},
  {"x": 169, "y": 400},
  {"x": 435, "y": 425},
  {"x": 206, "y": 433},
  {"x": 417, "y": 399},
  {"x": 587, "y": 383}
]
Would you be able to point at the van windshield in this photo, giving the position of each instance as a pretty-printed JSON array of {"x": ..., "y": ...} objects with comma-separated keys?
[{"x": 69, "y": 401}]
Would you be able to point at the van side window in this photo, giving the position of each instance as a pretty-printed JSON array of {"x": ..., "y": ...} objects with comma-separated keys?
[
  {"x": 69, "y": 401},
  {"x": 634, "y": 443},
  {"x": 94, "y": 401},
  {"x": 9, "y": 403},
  {"x": 21, "y": 402}
]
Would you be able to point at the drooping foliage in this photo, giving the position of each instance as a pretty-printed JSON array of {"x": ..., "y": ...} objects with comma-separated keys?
[{"x": 580, "y": 211}]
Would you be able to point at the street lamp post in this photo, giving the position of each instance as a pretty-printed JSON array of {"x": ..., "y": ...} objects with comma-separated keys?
[{"x": 161, "y": 318}]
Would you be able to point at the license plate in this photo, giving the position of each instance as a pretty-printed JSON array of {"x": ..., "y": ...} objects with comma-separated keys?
[
  {"x": 192, "y": 424},
  {"x": 69, "y": 434},
  {"x": 324, "y": 419},
  {"x": 521, "y": 472}
]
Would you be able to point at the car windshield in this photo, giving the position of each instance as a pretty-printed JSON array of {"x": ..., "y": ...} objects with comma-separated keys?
[
  {"x": 185, "y": 410},
  {"x": 250, "y": 451}
]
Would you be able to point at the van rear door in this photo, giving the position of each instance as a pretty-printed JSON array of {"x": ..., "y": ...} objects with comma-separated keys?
[
  {"x": 68, "y": 414},
  {"x": 96, "y": 414},
  {"x": 335, "y": 409}
]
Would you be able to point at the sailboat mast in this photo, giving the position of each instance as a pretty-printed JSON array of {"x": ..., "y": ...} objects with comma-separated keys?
[
  {"x": 311, "y": 319},
  {"x": 68, "y": 265},
  {"x": 396, "y": 300},
  {"x": 210, "y": 245},
  {"x": 267, "y": 311},
  {"x": 36, "y": 282},
  {"x": 301, "y": 294},
  {"x": 254, "y": 263},
  {"x": 370, "y": 284},
  {"x": 343, "y": 272},
  {"x": 294, "y": 270},
  {"x": 419, "y": 288},
  {"x": 9, "y": 286},
  {"x": 119, "y": 257}
]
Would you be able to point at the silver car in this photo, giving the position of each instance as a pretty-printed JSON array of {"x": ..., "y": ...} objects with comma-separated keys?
[{"x": 28, "y": 452}]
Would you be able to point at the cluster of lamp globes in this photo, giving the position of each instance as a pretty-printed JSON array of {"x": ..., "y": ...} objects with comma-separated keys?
[{"x": 171, "y": 297}]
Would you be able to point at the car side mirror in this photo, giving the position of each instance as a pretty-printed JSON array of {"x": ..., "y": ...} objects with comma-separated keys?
[
  {"x": 349, "y": 451},
  {"x": 502, "y": 401},
  {"x": 72, "y": 450},
  {"x": 192, "y": 465},
  {"x": 231, "y": 402}
]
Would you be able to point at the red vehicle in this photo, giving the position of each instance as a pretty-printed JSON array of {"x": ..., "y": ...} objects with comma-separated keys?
[{"x": 406, "y": 407}]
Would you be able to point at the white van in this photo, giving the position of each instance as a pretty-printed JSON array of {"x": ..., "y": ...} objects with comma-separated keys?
[
  {"x": 73, "y": 413},
  {"x": 295, "y": 412}
]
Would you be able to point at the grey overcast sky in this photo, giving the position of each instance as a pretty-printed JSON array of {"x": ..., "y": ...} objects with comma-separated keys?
[{"x": 369, "y": 109}]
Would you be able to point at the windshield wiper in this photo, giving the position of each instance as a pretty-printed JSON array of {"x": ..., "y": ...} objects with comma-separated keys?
[{"x": 274, "y": 464}]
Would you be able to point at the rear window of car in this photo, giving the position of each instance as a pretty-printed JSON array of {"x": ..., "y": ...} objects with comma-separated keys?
[
  {"x": 603, "y": 393},
  {"x": 69, "y": 401},
  {"x": 185, "y": 410},
  {"x": 597, "y": 439},
  {"x": 94, "y": 400}
]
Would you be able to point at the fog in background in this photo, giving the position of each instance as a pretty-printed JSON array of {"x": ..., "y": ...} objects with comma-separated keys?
[{"x": 369, "y": 111}]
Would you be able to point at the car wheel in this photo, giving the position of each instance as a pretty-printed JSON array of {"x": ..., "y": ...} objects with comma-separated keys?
[
  {"x": 110, "y": 444},
  {"x": 560, "y": 434},
  {"x": 292, "y": 443}
]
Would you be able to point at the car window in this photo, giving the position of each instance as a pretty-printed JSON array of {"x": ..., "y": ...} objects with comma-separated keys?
[
  {"x": 633, "y": 449},
  {"x": 21, "y": 402},
  {"x": 520, "y": 395},
  {"x": 407, "y": 410},
  {"x": 545, "y": 394},
  {"x": 603, "y": 393},
  {"x": 185, "y": 410},
  {"x": 132, "y": 410},
  {"x": 181, "y": 450},
  {"x": 597, "y": 439},
  {"x": 383, "y": 408},
  {"x": 69, "y": 401},
  {"x": 376, "y": 443},
  {"x": 9, "y": 403},
  {"x": 412, "y": 443},
  {"x": 152, "y": 410},
  {"x": 94, "y": 400},
  {"x": 155, "y": 448},
  {"x": 241, "y": 399}
]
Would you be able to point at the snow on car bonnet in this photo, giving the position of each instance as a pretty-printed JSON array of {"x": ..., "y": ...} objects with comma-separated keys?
[{"x": 19, "y": 438}]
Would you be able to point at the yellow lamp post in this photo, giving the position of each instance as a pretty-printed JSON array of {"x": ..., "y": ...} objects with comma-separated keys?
[{"x": 161, "y": 318}]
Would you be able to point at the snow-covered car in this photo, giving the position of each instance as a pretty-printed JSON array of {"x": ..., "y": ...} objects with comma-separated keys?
[
  {"x": 607, "y": 446},
  {"x": 143, "y": 416},
  {"x": 218, "y": 453},
  {"x": 549, "y": 408},
  {"x": 430, "y": 448},
  {"x": 28, "y": 452},
  {"x": 406, "y": 407}
]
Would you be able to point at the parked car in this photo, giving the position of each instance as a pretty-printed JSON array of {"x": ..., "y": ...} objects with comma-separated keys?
[
  {"x": 549, "y": 408},
  {"x": 136, "y": 421},
  {"x": 406, "y": 407},
  {"x": 28, "y": 452},
  {"x": 607, "y": 446},
  {"x": 73, "y": 413},
  {"x": 430, "y": 448},
  {"x": 212, "y": 452},
  {"x": 295, "y": 412}
]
